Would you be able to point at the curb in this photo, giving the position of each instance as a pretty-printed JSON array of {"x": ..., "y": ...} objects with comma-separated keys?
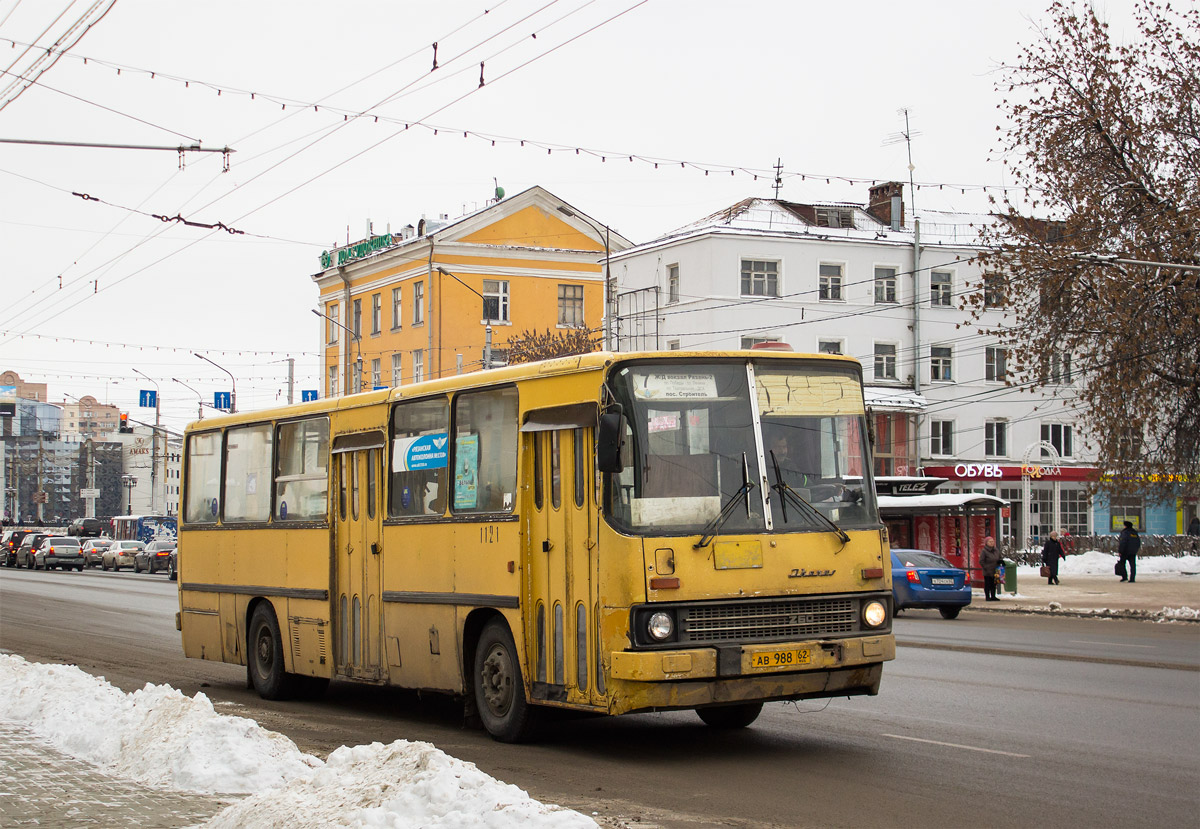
[{"x": 1091, "y": 613}]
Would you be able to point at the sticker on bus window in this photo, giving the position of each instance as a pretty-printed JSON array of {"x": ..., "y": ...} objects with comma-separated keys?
[
  {"x": 664, "y": 385},
  {"x": 466, "y": 472},
  {"x": 422, "y": 452}
]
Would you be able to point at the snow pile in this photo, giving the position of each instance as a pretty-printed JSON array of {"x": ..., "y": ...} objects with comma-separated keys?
[
  {"x": 155, "y": 736},
  {"x": 398, "y": 785},
  {"x": 1096, "y": 563},
  {"x": 158, "y": 736}
]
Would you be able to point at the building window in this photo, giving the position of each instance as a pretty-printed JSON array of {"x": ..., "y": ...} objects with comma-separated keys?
[
  {"x": 418, "y": 366},
  {"x": 995, "y": 364},
  {"x": 835, "y": 217},
  {"x": 495, "y": 299},
  {"x": 885, "y": 361},
  {"x": 941, "y": 359},
  {"x": 356, "y": 327},
  {"x": 995, "y": 290},
  {"x": 396, "y": 318},
  {"x": 941, "y": 437},
  {"x": 673, "y": 283},
  {"x": 570, "y": 306},
  {"x": 995, "y": 438},
  {"x": 892, "y": 444},
  {"x": 331, "y": 327},
  {"x": 397, "y": 368},
  {"x": 1060, "y": 367},
  {"x": 1131, "y": 509},
  {"x": 1058, "y": 435},
  {"x": 1073, "y": 509},
  {"x": 760, "y": 278},
  {"x": 375, "y": 373},
  {"x": 830, "y": 347},
  {"x": 830, "y": 283},
  {"x": 885, "y": 285},
  {"x": 940, "y": 288},
  {"x": 672, "y": 345},
  {"x": 750, "y": 342},
  {"x": 333, "y": 381},
  {"x": 418, "y": 303},
  {"x": 376, "y": 313}
]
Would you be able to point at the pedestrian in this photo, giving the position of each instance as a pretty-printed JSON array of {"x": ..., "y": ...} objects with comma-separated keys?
[
  {"x": 1067, "y": 541},
  {"x": 1128, "y": 545},
  {"x": 1194, "y": 526},
  {"x": 989, "y": 560},
  {"x": 1051, "y": 553}
]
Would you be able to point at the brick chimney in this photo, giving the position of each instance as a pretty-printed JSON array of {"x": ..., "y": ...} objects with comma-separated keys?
[{"x": 887, "y": 204}]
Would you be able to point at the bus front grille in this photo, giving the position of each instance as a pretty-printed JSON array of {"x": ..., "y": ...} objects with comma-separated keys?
[{"x": 768, "y": 621}]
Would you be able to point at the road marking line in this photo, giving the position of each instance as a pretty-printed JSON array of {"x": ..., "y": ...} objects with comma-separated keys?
[
  {"x": 1110, "y": 644},
  {"x": 955, "y": 745}
]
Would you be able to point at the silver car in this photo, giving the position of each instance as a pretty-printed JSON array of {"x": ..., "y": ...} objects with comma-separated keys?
[
  {"x": 120, "y": 554},
  {"x": 58, "y": 551}
]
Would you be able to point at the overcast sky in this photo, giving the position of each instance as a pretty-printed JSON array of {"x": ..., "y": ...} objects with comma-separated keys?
[{"x": 689, "y": 84}]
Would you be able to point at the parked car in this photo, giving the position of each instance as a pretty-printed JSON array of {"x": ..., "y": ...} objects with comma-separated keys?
[
  {"x": 58, "y": 551},
  {"x": 11, "y": 543},
  {"x": 93, "y": 550},
  {"x": 24, "y": 556},
  {"x": 120, "y": 554},
  {"x": 153, "y": 557},
  {"x": 173, "y": 565},
  {"x": 923, "y": 579}
]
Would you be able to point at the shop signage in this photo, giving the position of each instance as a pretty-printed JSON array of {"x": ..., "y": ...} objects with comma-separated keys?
[
  {"x": 358, "y": 250},
  {"x": 978, "y": 470}
]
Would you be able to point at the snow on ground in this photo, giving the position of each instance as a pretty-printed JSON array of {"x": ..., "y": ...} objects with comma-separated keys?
[
  {"x": 1096, "y": 563},
  {"x": 160, "y": 737}
]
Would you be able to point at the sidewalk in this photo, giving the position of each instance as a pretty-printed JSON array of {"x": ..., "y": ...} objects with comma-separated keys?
[{"x": 1158, "y": 596}]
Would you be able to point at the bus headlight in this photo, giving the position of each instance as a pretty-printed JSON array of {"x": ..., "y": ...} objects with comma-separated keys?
[
  {"x": 874, "y": 614},
  {"x": 660, "y": 626}
]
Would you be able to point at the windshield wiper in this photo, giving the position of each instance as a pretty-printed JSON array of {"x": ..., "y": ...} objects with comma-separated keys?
[
  {"x": 743, "y": 493},
  {"x": 786, "y": 493}
]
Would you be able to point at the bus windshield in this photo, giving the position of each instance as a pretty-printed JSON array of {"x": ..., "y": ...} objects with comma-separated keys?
[{"x": 691, "y": 445}]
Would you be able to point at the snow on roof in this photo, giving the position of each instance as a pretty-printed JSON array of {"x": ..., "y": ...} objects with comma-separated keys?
[
  {"x": 878, "y": 397},
  {"x": 757, "y": 216},
  {"x": 946, "y": 500}
]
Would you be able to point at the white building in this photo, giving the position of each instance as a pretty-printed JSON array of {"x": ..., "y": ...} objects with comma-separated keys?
[{"x": 861, "y": 281}]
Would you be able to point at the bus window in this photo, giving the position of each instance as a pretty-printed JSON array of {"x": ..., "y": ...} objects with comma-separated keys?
[
  {"x": 538, "y": 496},
  {"x": 355, "y": 492},
  {"x": 248, "y": 473},
  {"x": 580, "y": 467},
  {"x": 204, "y": 478},
  {"x": 420, "y": 458},
  {"x": 301, "y": 475},
  {"x": 555, "y": 471},
  {"x": 372, "y": 481},
  {"x": 485, "y": 451}
]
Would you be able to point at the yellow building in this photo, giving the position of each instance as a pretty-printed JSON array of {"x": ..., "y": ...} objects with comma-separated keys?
[{"x": 411, "y": 306}]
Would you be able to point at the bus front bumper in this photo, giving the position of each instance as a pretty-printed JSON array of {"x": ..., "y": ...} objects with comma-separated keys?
[{"x": 693, "y": 677}]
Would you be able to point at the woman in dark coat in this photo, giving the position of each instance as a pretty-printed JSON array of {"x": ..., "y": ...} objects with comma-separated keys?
[{"x": 1051, "y": 553}]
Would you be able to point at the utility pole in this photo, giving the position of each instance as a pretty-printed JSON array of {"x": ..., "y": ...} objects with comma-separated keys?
[
  {"x": 154, "y": 445},
  {"x": 291, "y": 361}
]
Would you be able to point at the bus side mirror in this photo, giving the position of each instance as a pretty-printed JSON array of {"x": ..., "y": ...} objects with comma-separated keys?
[{"x": 608, "y": 442}]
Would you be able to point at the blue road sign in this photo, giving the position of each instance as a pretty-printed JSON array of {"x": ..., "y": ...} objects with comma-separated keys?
[
  {"x": 308, "y": 395},
  {"x": 221, "y": 400},
  {"x": 147, "y": 398}
]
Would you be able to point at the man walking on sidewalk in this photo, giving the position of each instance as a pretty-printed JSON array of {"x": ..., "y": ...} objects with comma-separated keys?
[{"x": 1127, "y": 548}]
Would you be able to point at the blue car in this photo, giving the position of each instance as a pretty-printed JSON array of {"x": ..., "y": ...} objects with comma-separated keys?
[{"x": 924, "y": 579}]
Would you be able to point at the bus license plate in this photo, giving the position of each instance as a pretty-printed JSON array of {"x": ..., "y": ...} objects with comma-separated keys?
[{"x": 765, "y": 660}]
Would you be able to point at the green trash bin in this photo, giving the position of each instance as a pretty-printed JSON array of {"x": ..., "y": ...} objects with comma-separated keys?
[{"x": 1010, "y": 575}]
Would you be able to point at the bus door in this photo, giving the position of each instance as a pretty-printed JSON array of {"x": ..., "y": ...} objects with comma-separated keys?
[
  {"x": 561, "y": 635},
  {"x": 358, "y": 565}
]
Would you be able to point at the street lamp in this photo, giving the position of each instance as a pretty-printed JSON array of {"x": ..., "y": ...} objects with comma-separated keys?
[
  {"x": 129, "y": 482},
  {"x": 357, "y": 341},
  {"x": 200, "y": 405},
  {"x": 154, "y": 443},
  {"x": 487, "y": 313},
  {"x": 566, "y": 211},
  {"x": 232, "y": 379}
]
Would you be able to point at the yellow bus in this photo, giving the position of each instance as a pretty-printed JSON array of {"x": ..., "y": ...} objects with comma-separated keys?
[{"x": 605, "y": 533}]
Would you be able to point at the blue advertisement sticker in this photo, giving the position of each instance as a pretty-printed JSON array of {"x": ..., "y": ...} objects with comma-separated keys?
[{"x": 422, "y": 452}]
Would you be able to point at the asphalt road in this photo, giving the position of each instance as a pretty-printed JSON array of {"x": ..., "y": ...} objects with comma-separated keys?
[{"x": 988, "y": 720}]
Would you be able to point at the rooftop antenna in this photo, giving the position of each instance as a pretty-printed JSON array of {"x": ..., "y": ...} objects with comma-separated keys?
[
  {"x": 906, "y": 136},
  {"x": 778, "y": 176}
]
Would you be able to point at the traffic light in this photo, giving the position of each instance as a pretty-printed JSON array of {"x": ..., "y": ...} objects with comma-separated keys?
[{"x": 125, "y": 427}]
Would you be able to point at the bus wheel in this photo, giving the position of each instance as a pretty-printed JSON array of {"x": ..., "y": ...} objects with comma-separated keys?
[
  {"x": 731, "y": 716},
  {"x": 499, "y": 688},
  {"x": 266, "y": 656}
]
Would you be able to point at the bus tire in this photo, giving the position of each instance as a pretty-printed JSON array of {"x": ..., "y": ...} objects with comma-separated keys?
[
  {"x": 730, "y": 716},
  {"x": 499, "y": 687},
  {"x": 265, "y": 655}
]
